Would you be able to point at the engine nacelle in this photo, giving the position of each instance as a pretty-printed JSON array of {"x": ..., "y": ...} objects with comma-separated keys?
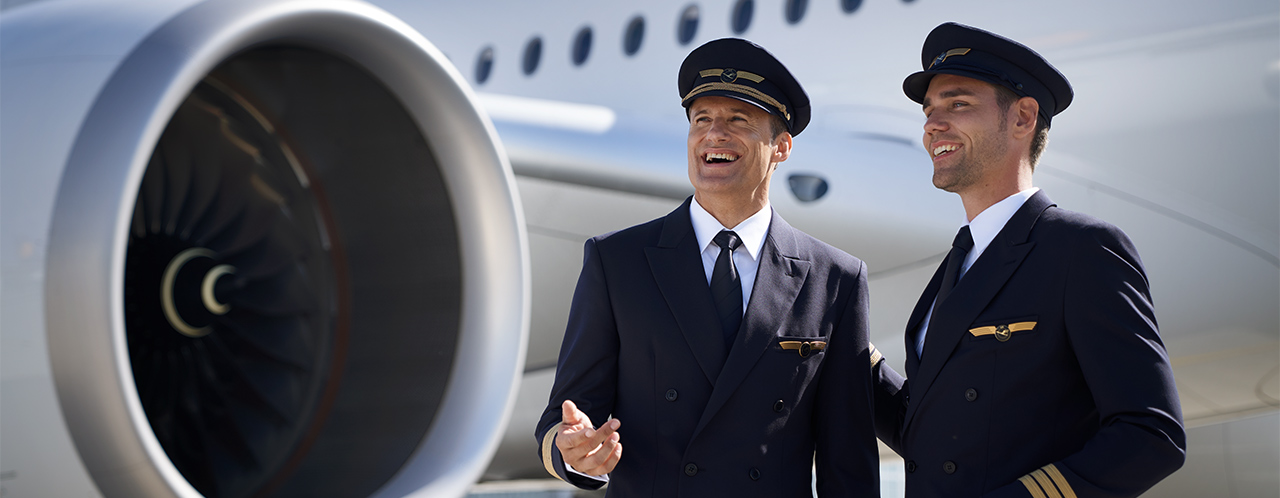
[{"x": 250, "y": 248}]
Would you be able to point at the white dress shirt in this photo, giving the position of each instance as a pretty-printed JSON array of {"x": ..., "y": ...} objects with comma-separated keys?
[
  {"x": 746, "y": 258},
  {"x": 983, "y": 228}
]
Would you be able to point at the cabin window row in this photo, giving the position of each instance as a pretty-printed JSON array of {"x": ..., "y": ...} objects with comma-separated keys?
[{"x": 633, "y": 35}]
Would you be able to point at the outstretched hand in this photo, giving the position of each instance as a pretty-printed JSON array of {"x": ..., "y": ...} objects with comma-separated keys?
[{"x": 591, "y": 451}]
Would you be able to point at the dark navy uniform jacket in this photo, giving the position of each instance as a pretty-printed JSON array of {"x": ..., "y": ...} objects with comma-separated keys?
[
  {"x": 644, "y": 346},
  {"x": 1043, "y": 372}
]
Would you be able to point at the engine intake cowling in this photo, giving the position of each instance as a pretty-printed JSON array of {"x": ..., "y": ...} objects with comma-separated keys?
[{"x": 285, "y": 257}]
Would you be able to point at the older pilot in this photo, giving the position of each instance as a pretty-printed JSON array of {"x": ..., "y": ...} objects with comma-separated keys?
[{"x": 722, "y": 347}]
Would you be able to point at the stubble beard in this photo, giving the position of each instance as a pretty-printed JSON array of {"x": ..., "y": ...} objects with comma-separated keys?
[
  {"x": 955, "y": 178},
  {"x": 967, "y": 172}
]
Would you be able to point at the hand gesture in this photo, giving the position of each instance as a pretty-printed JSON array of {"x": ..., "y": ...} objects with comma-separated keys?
[{"x": 588, "y": 450}]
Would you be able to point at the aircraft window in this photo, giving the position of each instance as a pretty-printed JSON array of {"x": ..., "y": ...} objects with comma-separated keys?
[
  {"x": 634, "y": 36},
  {"x": 741, "y": 19},
  {"x": 581, "y": 46},
  {"x": 850, "y": 6},
  {"x": 795, "y": 10},
  {"x": 532, "y": 55},
  {"x": 687, "y": 27},
  {"x": 484, "y": 65}
]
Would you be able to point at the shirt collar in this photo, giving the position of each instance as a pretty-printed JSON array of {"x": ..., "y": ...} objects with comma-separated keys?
[
  {"x": 751, "y": 231},
  {"x": 990, "y": 221}
]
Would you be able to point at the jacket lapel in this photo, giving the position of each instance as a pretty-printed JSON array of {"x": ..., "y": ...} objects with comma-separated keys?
[
  {"x": 780, "y": 276},
  {"x": 917, "y": 316},
  {"x": 972, "y": 294},
  {"x": 676, "y": 264}
]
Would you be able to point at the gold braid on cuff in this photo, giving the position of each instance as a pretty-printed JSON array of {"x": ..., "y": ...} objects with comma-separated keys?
[
  {"x": 1047, "y": 482},
  {"x": 549, "y": 440}
]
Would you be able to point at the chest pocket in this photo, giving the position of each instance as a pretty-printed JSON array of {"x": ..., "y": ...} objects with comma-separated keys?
[{"x": 1002, "y": 332}]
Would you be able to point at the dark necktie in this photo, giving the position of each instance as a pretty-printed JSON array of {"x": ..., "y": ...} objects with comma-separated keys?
[
  {"x": 959, "y": 249},
  {"x": 726, "y": 287}
]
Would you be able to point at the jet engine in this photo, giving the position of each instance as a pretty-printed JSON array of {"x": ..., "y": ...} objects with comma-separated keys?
[{"x": 249, "y": 249}]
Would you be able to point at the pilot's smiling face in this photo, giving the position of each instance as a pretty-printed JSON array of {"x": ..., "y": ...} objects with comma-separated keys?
[
  {"x": 731, "y": 148},
  {"x": 964, "y": 131}
]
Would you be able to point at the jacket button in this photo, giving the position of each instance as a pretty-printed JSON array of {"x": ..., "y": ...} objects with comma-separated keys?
[
  {"x": 754, "y": 474},
  {"x": 911, "y": 466},
  {"x": 778, "y": 406},
  {"x": 970, "y": 394},
  {"x": 690, "y": 469},
  {"x": 949, "y": 467},
  {"x": 672, "y": 395}
]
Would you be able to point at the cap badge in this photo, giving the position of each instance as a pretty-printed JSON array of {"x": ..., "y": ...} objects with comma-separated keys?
[
  {"x": 730, "y": 75},
  {"x": 943, "y": 56}
]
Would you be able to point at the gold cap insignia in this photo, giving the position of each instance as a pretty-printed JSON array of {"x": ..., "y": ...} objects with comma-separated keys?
[
  {"x": 943, "y": 56},
  {"x": 730, "y": 75}
]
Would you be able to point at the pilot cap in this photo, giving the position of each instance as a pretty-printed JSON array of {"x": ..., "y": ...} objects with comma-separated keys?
[
  {"x": 739, "y": 69},
  {"x": 961, "y": 50}
]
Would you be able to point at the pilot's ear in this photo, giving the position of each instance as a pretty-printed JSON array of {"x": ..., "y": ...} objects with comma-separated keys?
[
  {"x": 1026, "y": 110},
  {"x": 782, "y": 147}
]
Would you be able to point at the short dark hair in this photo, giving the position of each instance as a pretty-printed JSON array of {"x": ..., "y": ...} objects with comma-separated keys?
[
  {"x": 776, "y": 125},
  {"x": 1004, "y": 99}
]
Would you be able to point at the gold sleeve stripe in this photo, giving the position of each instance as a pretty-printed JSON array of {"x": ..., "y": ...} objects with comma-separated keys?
[
  {"x": 548, "y": 440},
  {"x": 709, "y": 73},
  {"x": 875, "y": 355},
  {"x": 1060, "y": 480},
  {"x": 1032, "y": 487},
  {"x": 1043, "y": 480},
  {"x": 1013, "y": 327},
  {"x": 706, "y": 87}
]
